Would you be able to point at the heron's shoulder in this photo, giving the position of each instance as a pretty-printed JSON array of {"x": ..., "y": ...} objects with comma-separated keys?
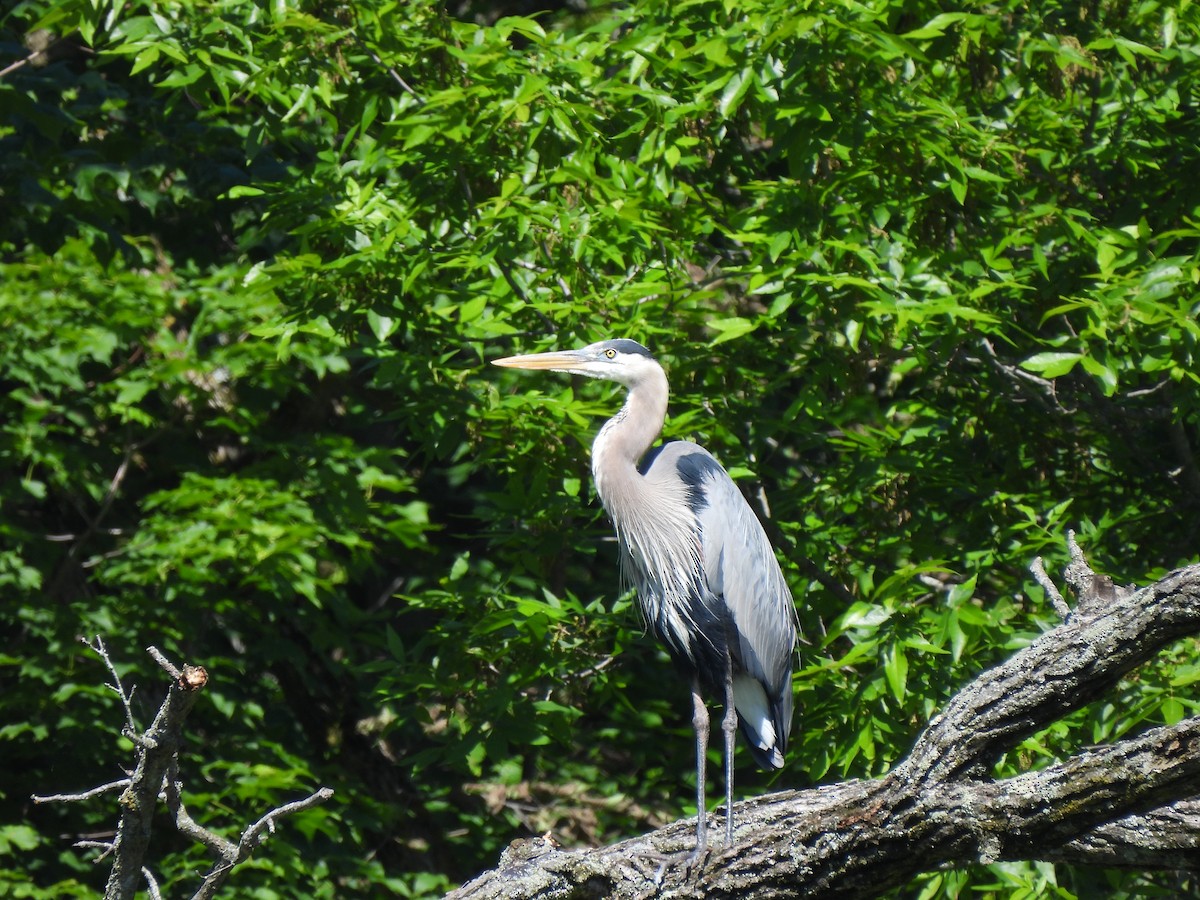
[{"x": 688, "y": 461}]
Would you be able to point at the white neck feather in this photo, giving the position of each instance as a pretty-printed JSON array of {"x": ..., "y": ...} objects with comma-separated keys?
[{"x": 626, "y": 437}]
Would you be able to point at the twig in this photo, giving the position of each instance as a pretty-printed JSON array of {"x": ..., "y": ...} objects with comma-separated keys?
[
  {"x": 41, "y": 45},
  {"x": 404, "y": 85},
  {"x": 253, "y": 836},
  {"x": 97, "y": 647},
  {"x": 562, "y": 282},
  {"x": 93, "y": 525},
  {"x": 169, "y": 667},
  {"x": 232, "y": 854},
  {"x": 188, "y": 826},
  {"x": 82, "y": 795},
  {"x": 114, "y": 485},
  {"x": 1052, "y": 592},
  {"x": 1078, "y": 567},
  {"x": 100, "y": 558},
  {"x": 151, "y": 884},
  {"x": 386, "y": 594},
  {"x": 588, "y": 672},
  {"x": 106, "y": 847},
  {"x": 65, "y": 538},
  {"x": 1045, "y": 386},
  {"x": 12, "y": 67},
  {"x": 1094, "y": 591},
  {"x": 1139, "y": 393}
]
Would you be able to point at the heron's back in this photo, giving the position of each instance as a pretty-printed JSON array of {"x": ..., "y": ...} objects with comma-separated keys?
[{"x": 708, "y": 583}]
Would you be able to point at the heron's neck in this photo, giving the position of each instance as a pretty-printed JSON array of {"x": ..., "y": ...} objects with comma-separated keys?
[{"x": 626, "y": 437}]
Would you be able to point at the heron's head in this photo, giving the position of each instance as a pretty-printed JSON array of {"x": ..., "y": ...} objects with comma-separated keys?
[{"x": 621, "y": 360}]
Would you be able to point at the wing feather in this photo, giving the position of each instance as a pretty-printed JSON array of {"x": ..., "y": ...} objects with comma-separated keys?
[{"x": 743, "y": 575}]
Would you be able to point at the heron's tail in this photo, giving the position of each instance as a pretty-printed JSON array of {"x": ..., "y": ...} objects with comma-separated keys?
[{"x": 764, "y": 721}]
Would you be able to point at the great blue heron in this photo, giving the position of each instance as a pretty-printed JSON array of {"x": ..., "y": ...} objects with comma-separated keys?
[{"x": 707, "y": 580}]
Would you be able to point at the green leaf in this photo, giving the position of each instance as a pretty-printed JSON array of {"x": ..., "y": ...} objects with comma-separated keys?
[
  {"x": 1051, "y": 363},
  {"x": 895, "y": 667},
  {"x": 731, "y": 328},
  {"x": 935, "y": 27},
  {"x": 734, "y": 91},
  {"x": 383, "y": 327},
  {"x": 17, "y": 838},
  {"x": 1172, "y": 711},
  {"x": 1103, "y": 373}
]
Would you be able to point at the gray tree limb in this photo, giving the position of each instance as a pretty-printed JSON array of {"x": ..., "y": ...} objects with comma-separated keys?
[
  {"x": 1130, "y": 803},
  {"x": 155, "y": 775},
  {"x": 228, "y": 854},
  {"x": 156, "y": 748}
]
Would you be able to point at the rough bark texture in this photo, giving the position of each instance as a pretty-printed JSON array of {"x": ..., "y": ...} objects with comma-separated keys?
[
  {"x": 1127, "y": 804},
  {"x": 155, "y": 775},
  {"x": 156, "y": 748}
]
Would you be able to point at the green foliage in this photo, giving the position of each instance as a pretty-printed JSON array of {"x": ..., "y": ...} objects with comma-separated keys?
[{"x": 925, "y": 281}]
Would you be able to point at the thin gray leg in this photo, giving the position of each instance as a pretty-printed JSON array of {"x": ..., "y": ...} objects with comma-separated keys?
[
  {"x": 729, "y": 726},
  {"x": 700, "y": 723}
]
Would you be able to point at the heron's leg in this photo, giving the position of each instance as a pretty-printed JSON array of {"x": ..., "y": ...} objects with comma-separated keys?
[
  {"x": 729, "y": 726},
  {"x": 700, "y": 723}
]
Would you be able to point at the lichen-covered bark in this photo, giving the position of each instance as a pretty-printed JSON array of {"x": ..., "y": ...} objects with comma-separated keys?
[
  {"x": 139, "y": 802},
  {"x": 1125, "y": 804}
]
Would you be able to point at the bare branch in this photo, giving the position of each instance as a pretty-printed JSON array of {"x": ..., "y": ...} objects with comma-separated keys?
[
  {"x": 151, "y": 884},
  {"x": 188, "y": 826},
  {"x": 1052, "y": 592},
  {"x": 166, "y": 665},
  {"x": 1044, "y": 388},
  {"x": 82, "y": 795},
  {"x": 232, "y": 854},
  {"x": 1078, "y": 573},
  {"x": 155, "y": 751},
  {"x": 97, "y": 647},
  {"x": 253, "y": 835},
  {"x": 106, "y": 847},
  {"x": 1136, "y": 799},
  {"x": 157, "y": 774}
]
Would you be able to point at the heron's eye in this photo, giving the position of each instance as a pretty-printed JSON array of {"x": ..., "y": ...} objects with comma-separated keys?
[{"x": 610, "y": 353}]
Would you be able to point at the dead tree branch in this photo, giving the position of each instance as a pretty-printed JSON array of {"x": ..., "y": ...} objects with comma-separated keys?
[
  {"x": 155, "y": 749},
  {"x": 227, "y": 853},
  {"x": 155, "y": 775},
  {"x": 1131, "y": 803},
  {"x": 81, "y": 795}
]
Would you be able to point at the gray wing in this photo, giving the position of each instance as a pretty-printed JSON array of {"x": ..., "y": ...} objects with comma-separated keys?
[{"x": 741, "y": 570}]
